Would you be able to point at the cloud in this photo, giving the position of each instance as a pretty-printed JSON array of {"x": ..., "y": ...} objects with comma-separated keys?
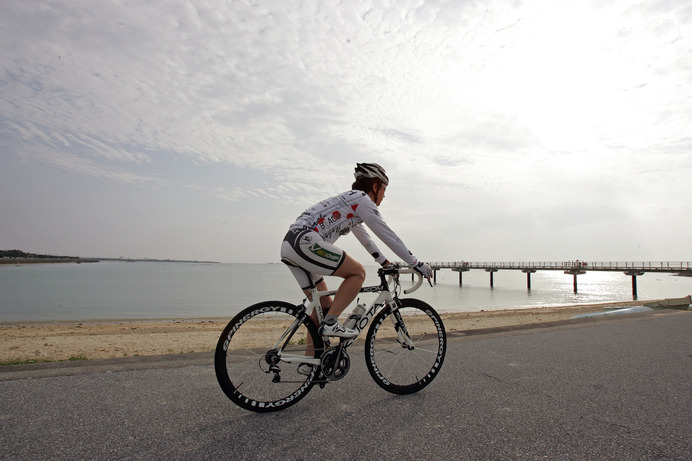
[{"x": 507, "y": 107}]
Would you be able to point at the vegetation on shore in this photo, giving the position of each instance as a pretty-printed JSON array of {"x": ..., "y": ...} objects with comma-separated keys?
[
  {"x": 23, "y": 254},
  {"x": 22, "y": 257}
]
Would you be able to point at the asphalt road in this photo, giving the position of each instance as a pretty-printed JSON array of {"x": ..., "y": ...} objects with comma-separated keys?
[{"x": 598, "y": 389}]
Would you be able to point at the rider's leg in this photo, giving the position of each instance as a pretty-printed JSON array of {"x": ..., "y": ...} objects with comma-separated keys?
[
  {"x": 353, "y": 273},
  {"x": 325, "y": 301}
]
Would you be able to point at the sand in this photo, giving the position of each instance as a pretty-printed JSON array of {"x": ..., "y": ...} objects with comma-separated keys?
[{"x": 53, "y": 341}]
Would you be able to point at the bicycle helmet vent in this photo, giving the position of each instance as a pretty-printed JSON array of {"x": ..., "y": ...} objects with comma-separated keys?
[{"x": 371, "y": 170}]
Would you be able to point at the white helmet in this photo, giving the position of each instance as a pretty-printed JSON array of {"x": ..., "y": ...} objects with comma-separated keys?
[{"x": 371, "y": 170}]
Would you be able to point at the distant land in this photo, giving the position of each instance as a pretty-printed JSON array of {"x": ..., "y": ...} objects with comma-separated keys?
[
  {"x": 22, "y": 257},
  {"x": 148, "y": 260}
]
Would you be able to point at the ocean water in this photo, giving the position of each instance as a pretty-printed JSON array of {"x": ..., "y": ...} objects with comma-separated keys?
[{"x": 158, "y": 290}]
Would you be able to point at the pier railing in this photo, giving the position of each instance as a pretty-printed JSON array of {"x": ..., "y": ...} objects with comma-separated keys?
[
  {"x": 574, "y": 268},
  {"x": 620, "y": 266}
]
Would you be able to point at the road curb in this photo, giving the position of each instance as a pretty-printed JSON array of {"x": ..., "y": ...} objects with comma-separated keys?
[{"x": 84, "y": 367}]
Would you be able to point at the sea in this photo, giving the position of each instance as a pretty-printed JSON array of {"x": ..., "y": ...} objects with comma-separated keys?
[{"x": 114, "y": 290}]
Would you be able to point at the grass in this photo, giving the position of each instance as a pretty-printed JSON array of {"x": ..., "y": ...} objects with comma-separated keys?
[
  {"x": 300, "y": 342},
  {"x": 74, "y": 358}
]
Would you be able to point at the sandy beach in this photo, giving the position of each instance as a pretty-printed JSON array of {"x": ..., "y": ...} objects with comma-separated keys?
[{"x": 53, "y": 341}]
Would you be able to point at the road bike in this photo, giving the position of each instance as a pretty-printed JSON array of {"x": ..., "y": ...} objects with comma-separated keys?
[{"x": 271, "y": 355}]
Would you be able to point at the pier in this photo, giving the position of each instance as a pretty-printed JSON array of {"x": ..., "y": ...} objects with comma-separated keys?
[{"x": 573, "y": 268}]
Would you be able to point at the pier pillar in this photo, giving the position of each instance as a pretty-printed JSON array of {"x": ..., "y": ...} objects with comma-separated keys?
[
  {"x": 574, "y": 273},
  {"x": 634, "y": 275},
  {"x": 460, "y": 270},
  {"x": 575, "y": 283},
  {"x": 435, "y": 276},
  {"x": 492, "y": 271},
  {"x": 528, "y": 273}
]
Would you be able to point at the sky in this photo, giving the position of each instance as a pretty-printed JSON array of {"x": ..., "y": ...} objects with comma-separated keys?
[{"x": 544, "y": 130}]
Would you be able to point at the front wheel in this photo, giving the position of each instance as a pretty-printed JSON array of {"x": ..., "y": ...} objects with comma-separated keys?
[
  {"x": 405, "y": 347},
  {"x": 257, "y": 366}
]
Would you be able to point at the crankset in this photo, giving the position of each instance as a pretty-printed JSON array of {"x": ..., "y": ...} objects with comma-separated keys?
[{"x": 335, "y": 363}]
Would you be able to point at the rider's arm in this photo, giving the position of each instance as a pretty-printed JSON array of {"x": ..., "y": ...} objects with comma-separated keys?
[
  {"x": 369, "y": 244},
  {"x": 368, "y": 212}
]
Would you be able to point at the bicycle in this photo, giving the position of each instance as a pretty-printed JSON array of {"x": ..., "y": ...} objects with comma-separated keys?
[{"x": 259, "y": 352}]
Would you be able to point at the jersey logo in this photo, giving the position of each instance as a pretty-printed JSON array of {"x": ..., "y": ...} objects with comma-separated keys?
[{"x": 317, "y": 250}]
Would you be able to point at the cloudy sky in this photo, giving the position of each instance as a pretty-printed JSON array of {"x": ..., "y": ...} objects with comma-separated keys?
[{"x": 543, "y": 130}]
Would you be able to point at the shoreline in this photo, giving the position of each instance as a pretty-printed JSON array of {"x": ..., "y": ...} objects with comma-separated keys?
[
  {"x": 27, "y": 342},
  {"x": 227, "y": 318}
]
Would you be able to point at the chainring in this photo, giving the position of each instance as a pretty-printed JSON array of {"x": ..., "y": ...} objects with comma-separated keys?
[{"x": 331, "y": 370}]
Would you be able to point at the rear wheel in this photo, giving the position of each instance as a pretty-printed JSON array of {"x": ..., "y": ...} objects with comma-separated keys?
[
  {"x": 256, "y": 374},
  {"x": 405, "y": 347}
]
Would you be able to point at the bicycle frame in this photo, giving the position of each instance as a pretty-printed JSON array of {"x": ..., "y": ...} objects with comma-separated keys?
[{"x": 385, "y": 298}]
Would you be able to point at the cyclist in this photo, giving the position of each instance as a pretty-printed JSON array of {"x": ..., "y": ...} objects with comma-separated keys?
[{"x": 309, "y": 244}]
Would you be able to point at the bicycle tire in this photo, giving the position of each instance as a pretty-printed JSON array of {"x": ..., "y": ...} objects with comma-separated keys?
[
  {"x": 396, "y": 368},
  {"x": 245, "y": 349}
]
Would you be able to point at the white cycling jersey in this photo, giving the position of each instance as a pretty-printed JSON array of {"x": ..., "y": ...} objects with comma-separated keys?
[{"x": 338, "y": 215}]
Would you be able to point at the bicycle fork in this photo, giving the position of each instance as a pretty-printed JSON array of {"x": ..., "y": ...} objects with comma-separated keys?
[{"x": 403, "y": 336}]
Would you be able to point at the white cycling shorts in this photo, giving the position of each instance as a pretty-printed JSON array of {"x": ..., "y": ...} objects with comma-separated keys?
[{"x": 304, "y": 250}]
